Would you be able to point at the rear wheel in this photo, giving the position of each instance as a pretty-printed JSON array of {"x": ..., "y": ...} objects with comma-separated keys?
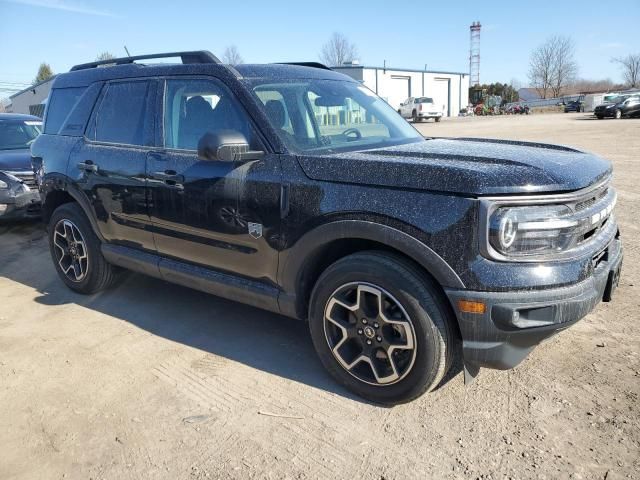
[
  {"x": 380, "y": 327},
  {"x": 414, "y": 116},
  {"x": 437, "y": 119},
  {"x": 75, "y": 250}
]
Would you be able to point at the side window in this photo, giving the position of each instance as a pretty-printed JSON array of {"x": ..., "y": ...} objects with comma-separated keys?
[
  {"x": 61, "y": 102},
  {"x": 276, "y": 108},
  {"x": 122, "y": 114},
  {"x": 194, "y": 107}
]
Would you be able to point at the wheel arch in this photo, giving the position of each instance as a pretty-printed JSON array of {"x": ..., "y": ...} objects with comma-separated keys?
[
  {"x": 327, "y": 243},
  {"x": 56, "y": 191}
]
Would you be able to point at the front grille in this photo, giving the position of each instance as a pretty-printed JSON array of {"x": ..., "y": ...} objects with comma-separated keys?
[
  {"x": 581, "y": 205},
  {"x": 29, "y": 179}
]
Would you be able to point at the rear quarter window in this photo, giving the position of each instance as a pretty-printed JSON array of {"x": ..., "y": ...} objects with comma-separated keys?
[
  {"x": 61, "y": 103},
  {"x": 122, "y": 114}
]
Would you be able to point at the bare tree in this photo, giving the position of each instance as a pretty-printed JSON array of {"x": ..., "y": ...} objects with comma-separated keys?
[
  {"x": 105, "y": 56},
  {"x": 338, "y": 50},
  {"x": 541, "y": 69},
  {"x": 565, "y": 67},
  {"x": 552, "y": 66},
  {"x": 232, "y": 56},
  {"x": 630, "y": 69}
]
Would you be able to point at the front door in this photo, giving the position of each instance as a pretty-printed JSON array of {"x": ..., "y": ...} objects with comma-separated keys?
[
  {"x": 109, "y": 164},
  {"x": 216, "y": 214}
]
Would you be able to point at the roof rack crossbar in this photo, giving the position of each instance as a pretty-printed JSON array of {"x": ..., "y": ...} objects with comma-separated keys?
[
  {"x": 307, "y": 64},
  {"x": 198, "y": 56}
]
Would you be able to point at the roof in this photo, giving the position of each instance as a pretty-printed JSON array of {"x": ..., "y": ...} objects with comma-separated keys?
[
  {"x": 35, "y": 85},
  {"x": 398, "y": 69},
  {"x": 19, "y": 116},
  {"x": 81, "y": 78},
  {"x": 287, "y": 71}
]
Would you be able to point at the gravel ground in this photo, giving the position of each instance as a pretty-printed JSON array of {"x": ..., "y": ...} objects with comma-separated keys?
[{"x": 152, "y": 380}]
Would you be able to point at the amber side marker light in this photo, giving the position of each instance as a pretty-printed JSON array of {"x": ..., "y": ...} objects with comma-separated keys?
[{"x": 468, "y": 306}]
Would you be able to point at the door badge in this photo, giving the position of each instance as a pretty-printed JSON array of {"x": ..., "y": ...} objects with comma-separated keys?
[{"x": 255, "y": 230}]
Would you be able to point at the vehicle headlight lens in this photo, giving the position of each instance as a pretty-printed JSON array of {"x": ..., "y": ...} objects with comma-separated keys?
[
  {"x": 3, "y": 185},
  {"x": 535, "y": 230}
]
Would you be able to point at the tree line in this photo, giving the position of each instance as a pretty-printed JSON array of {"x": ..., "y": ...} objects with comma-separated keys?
[{"x": 553, "y": 69}]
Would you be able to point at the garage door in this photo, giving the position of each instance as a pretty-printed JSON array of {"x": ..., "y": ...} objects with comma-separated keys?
[
  {"x": 440, "y": 94},
  {"x": 400, "y": 90}
]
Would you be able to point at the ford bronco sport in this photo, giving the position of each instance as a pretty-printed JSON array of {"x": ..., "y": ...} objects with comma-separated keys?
[{"x": 295, "y": 189}]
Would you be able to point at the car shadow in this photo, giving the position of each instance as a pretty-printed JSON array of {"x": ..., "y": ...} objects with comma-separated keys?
[{"x": 259, "y": 339}]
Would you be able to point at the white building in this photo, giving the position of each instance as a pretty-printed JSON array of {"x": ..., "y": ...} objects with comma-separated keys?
[
  {"x": 448, "y": 89},
  {"x": 31, "y": 101}
]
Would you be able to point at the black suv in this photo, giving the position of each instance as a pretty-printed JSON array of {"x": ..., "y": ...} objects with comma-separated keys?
[{"x": 296, "y": 189}]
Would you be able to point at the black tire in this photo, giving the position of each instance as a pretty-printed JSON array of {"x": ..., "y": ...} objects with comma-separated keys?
[
  {"x": 414, "y": 116},
  {"x": 428, "y": 316},
  {"x": 437, "y": 119},
  {"x": 98, "y": 274}
]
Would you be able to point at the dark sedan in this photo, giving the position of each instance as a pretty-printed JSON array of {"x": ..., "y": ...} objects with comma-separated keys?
[
  {"x": 574, "y": 106},
  {"x": 19, "y": 195},
  {"x": 618, "y": 107}
]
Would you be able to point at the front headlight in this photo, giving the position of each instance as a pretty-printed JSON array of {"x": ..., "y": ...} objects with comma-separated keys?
[
  {"x": 540, "y": 228},
  {"x": 537, "y": 230},
  {"x": 3, "y": 185}
]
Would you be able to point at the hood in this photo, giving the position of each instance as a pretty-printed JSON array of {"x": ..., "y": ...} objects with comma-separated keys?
[
  {"x": 15, "y": 160},
  {"x": 464, "y": 166}
]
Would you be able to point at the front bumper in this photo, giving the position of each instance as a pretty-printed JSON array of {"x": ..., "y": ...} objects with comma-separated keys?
[
  {"x": 23, "y": 205},
  {"x": 515, "y": 322},
  {"x": 604, "y": 112}
]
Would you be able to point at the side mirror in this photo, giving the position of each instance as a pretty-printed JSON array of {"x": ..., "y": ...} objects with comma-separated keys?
[{"x": 226, "y": 146}]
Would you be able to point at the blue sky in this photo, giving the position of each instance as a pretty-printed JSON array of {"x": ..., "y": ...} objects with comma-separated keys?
[{"x": 405, "y": 33}]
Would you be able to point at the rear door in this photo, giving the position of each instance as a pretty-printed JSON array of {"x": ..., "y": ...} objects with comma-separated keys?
[
  {"x": 109, "y": 163},
  {"x": 217, "y": 214}
]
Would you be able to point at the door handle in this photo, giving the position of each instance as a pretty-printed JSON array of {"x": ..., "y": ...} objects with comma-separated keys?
[
  {"x": 170, "y": 178},
  {"x": 88, "y": 166}
]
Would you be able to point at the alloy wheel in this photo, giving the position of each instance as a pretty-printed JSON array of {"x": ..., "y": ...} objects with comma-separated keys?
[
  {"x": 70, "y": 250},
  {"x": 370, "y": 334}
]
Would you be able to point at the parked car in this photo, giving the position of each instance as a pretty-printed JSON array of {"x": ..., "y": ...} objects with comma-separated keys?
[
  {"x": 420, "y": 108},
  {"x": 574, "y": 106},
  {"x": 295, "y": 189},
  {"x": 19, "y": 196},
  {"x": 618, "y": 107}
]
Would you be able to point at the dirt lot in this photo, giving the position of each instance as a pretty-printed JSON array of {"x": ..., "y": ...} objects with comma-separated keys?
[{"x": 151, "y": 380}]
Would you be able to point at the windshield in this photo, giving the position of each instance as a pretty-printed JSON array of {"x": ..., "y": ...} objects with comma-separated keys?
[
  {"x": 16, "y": 135},
  {"x": 616, "y": 99},
  {"x": 425, "y": 100},
  {"x": 325, "y": 116}
]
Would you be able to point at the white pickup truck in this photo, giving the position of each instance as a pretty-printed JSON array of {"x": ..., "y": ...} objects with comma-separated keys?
[{"x": 417, "y": 108}]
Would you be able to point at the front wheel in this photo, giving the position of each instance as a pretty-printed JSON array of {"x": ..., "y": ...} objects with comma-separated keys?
[
  {"x": 618, "y": 113},
  {"x": 437, "y": 119},
  {"x": 75, "y": 250},
  {"x": 381, "y": 327}
]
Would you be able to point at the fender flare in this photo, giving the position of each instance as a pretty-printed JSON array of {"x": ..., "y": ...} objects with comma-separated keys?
[
  {"x": 297, "y": 256},
  {"x": 61, "y": 183}
]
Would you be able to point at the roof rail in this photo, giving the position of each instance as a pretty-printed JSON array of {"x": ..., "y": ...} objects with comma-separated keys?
[
  {"x": 198, "y": 56},
  {"x": 307, "y": 64}
]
